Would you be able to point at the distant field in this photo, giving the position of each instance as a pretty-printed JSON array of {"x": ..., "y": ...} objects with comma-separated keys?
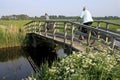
[
  {"x": 20, "y": 23},
  {"x": 14, "y": 23},
  {"x": 116, "y": 27},
  {"x": 114, "y": 21},
  {"x": 111, "y": 27}
]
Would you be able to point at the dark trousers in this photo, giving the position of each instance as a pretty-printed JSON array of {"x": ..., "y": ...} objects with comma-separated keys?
[{"x": 88, "y": 24}]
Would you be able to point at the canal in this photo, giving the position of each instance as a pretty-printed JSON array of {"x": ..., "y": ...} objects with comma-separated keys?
[{"x": 15, "y": 63}]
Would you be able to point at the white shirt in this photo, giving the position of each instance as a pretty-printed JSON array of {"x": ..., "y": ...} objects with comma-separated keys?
[
  {"x": 86, "y": 16},
  {"x": 47, "y": 18}
]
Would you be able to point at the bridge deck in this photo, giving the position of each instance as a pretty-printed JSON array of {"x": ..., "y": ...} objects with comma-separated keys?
[{"x": 79, "y": 46}]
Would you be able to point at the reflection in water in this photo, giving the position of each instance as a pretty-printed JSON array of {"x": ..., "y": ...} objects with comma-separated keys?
[
  {"x": 14, "y": 64},
  {"x": 42, "y": 54}
]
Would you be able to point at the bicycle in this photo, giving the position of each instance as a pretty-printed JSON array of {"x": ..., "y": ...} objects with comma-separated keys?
[
  {"x": 84, "y": 30},
  {"x": 93, "y": 35}
]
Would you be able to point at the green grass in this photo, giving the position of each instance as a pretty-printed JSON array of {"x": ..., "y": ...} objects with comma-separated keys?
[
  {"x": 11, "y": 39},
  {"x": 111, "y": 27},
  {"x": 16, "y": 23},
  {"x": 12, "y": 33}
]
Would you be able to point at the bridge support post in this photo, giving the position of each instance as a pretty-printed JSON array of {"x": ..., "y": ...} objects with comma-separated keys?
[
  {"x": 98, "y": 33},
  {"x": 28, "y": 30},
  {"x": 65, "y": 33},
  {"x": 89, "y": 37},
  {"x": 113, "y": 44},
  {"x": 34, "y": 28},
  {"x": 107, "y": 27},
  {"x": 88, "y": 41},
  {"x": 54, "y": 30},
  {"x": 46, "y": 24},
  {"x": 72, "y": 37},
  {"x": 40, "y": 28}
]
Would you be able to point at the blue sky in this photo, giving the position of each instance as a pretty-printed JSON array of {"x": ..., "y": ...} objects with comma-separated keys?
[{"x": 59, "y": 7}]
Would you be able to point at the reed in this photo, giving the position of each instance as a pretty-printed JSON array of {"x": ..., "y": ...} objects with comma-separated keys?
[{"x": 11, "y": 36}]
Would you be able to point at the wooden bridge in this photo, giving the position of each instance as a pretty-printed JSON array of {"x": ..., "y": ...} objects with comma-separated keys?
[{"x": 68, "y": 32}]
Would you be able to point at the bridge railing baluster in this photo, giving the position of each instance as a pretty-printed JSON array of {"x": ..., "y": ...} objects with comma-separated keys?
[
  {"x": 98, "y": 33},
  {"x": 54, "y": 30},
  {"x": 35, "y": 24},
  {"x": 46, "y": 25},
  {"x": 39, "y": 27},
  {"x": 107, "y": 28},
  {"x": 65, "y": 33},
  {"x": 89, "y": 37},
  {"x": 72, "y": 35},
  {"x": 113, "y": 43},
  {"x": 28, "y": 28}
]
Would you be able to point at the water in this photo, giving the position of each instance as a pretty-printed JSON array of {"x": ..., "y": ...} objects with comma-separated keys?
[
  {"x": 17, "y": 64},
  {"x": 14, "y": 64}
]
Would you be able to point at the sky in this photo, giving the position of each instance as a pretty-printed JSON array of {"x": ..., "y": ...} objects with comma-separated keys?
[{"x": 98, "y": 8}]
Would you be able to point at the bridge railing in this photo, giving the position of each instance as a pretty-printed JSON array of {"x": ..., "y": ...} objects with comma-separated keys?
[{"x": 69, "y": 30}]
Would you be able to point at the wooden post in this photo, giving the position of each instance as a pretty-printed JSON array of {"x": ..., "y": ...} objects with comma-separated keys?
[
  {"x": 107, "y": 27},
  {"x": 46, "y": 24},
  {"x": 54, "y": 30},
  {"x": 88, "y": 41},
  {"x": 72, "y": 34},
  {"x": 65, "y": 33},
  {"x": 34, "y": 27},
  {"x": 40, "y": 28},
  {"x": 98, "y": 33},
  {"x": 113, "y": 43},
  {"x": 28, "y": 30},
  {"x": 80, "y": 29},
  {"x": 72, "y": 37},
  {"x": 89, "y": 37}
]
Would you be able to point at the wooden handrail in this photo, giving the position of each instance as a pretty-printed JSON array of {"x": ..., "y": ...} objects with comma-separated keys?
[{"x": 72, "y": 27}]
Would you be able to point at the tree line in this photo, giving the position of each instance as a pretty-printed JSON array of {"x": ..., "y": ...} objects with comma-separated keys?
[{"x": 26, "y": 17}]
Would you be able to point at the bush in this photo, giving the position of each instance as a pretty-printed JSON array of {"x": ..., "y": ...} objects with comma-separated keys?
[{"x": 82, "y": 66}]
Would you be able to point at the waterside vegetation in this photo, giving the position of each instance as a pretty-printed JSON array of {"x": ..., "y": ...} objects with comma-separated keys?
[
  {"x": 82, "y": 66},
  {"x": 11, "y": 33}
]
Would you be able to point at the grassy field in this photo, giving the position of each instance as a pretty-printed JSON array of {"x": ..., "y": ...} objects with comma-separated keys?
[
  {"x": 14, "y": 23},
  {"x": 111, "y": 27}
]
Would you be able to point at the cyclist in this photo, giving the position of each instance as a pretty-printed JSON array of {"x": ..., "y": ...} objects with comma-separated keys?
[{"x": 86, "y": 19}]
